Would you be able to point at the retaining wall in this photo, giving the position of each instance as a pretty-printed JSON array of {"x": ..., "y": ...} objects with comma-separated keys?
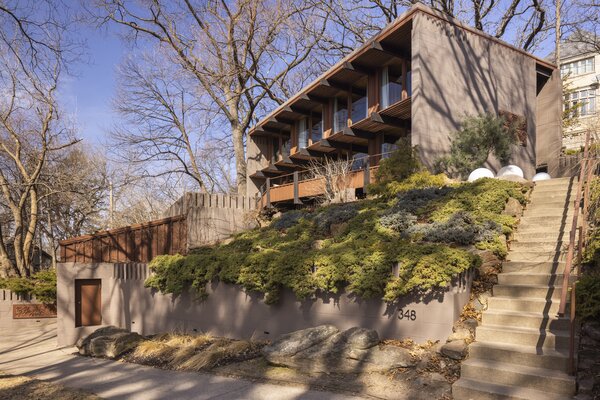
[{"x": 230, "y": 311}]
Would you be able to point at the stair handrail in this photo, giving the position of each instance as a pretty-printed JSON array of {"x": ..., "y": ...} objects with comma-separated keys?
[{"x": 585, "y": 179}]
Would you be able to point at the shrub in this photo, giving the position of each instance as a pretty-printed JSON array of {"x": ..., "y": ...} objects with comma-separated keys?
[
  {"x": 398, "y": 220},
  {"x": 479, "y": 137},
  {"x": 379, "y": 232},
  {"x": 42, "y": 285},
  {"x": 287, "y": 220},
  {"x": 588, "y": 295},
  {"x": 400, "y": 164}
]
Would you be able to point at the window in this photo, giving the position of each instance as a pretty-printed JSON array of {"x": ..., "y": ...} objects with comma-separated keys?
[
  {"x": 316, "y": 131},
  {"x": 391, "y": 87},
  {"x": 359, "y": 109},
  {"x": 578, "y": 67},
  {"x": 302, "y": 134},
  {"x": 359, "y": 160},
  {"x": 387, "y": 149},
  {"x": 582, "y": 102},
  {"x": 340, "y": 115},
  {"x": 285, "y": 147}
]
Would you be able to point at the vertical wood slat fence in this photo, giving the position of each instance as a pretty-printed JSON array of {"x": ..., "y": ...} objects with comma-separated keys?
[{"x": 135, "y": 243}]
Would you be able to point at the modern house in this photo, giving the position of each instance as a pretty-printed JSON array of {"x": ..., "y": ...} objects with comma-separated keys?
[
  {"x": 578, "y": 67},
  {"x": 417, "y": 79}
]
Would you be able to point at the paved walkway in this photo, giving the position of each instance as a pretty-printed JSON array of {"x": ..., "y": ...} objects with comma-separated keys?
[{"x": 29, "y": 348}]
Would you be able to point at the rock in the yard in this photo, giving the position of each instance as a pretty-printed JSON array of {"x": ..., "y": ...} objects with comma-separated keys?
[
  {"x": 513, "y": 208},
  {"x": 83, "y": 344},
  {"x": 459, "y": 333},
  {"x": 361, "y": 338},
  {"x": 337, "y": 229},
  {"x": 456, "y": 350},
  {"x": 384, "y": 358},
  {"x": 325, "y": 349},
  {"x": 470, "y": 324},
  {"x": 112, "y": 346},
  {"x": 280, "y": 351}
]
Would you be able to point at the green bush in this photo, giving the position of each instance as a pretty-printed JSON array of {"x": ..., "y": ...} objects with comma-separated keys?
[
  {"x": 588, "y": 295},
  {"x": 479, "y": 137},
  {"x": 299, "y": 252},
  {"x": 42, "y": 285}
]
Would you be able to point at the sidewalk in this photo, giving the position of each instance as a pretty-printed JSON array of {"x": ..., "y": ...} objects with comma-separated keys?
[{"x": 29, "y": 348}]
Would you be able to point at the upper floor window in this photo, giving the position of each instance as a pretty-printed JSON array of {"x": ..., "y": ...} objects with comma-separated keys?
[
  {"x": 578, "y": 67},
  {"x": 316, "y": 131},
  {"x": 582, "y": 102},
  {"x": 391, "y": 87},
  {"x": 340, "y": 114},
  {"x": 359, "y": 109},
  {"x": 302, "y": 134}
]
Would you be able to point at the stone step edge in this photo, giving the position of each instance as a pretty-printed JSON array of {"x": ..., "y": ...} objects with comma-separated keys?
[
  {"x": 521, "y": 348},
  {"x": 507, "y": 392},
  {"x": 557, "y": 333},
  {"x": 526, "y": 370}
]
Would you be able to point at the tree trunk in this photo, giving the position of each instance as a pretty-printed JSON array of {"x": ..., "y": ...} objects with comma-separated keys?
[{"x": 240, "y": 158}]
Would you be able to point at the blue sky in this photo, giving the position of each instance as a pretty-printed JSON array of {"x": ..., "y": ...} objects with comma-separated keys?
[{"x": 88, "y": 94}]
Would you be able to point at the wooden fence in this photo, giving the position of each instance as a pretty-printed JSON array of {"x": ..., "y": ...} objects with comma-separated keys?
[{"x": 135, "y": 243}]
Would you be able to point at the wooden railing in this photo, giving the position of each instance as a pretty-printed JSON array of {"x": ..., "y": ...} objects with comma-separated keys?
[
  {"x": 587, "y": 167},
  {"x": 135, "y": 243}
]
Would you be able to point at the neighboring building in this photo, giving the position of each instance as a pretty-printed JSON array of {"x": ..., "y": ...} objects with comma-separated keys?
[
  {"x": 417, "y": 79},
  {"x": 580, "y": 65}
]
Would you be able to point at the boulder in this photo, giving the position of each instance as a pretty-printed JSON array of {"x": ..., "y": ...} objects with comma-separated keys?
[
  {"x": 513, "y": 208},
  {"x": 470, "y": 324},
  {"x": 317, "y": 244},
  {"x": 384, "y": 358},
  {"x": 83, "y": 344},
  {"x": 361, "y": 338},
  {"x": 325, "y": 349},
  {"x": 592, "y": 329},
  {"x": 112, "y": 346},
  {"x": 456, "y": 350},
  {"x": 280, "y": 351},
  {"x": 460, "y": 333}
]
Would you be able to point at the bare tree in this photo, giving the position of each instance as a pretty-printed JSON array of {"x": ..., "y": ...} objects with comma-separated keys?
[
  {"x": 32, "y": 54},
  {"x": 239, "y": 53},
  {"x": 334, "y": 177},
  {"x": 524, "y": 22}
]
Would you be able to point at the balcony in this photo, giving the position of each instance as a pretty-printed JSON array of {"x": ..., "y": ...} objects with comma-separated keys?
[{"x": 297, "y": 189}]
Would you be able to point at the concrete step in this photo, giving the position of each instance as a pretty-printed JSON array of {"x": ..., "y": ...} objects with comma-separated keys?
[
  {"x": 530, "y": 291},
  {"x": 524, "y": 304},
  {"x": 545, "y": 196},
  {"x": 551, "y": 213},
  {"x": 524, "y": 320},
  {"x": 554, "y": 339},
  {"x": 534, "y": 267},
  {"x": 527, "y": 278},
  {"x": 537, "y": 256},
  {"x": 529, "y": 356},
  {"x": 465, "y": 389},
  {"x": 541, "y": 234},
  {"x": 546, "y": 222},
  {"x": 533, "y": 245},
  {"x": 513, "y": 374}
]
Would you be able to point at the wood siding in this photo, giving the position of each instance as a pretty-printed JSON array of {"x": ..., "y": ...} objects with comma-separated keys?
[{"x": 136, "y": 243}]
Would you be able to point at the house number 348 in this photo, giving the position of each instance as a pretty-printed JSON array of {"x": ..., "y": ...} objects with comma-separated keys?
[{"x": 409, "y": 315}]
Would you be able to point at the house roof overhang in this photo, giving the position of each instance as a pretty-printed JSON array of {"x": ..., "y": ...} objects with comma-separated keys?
[{"x": 375, "y": 52}]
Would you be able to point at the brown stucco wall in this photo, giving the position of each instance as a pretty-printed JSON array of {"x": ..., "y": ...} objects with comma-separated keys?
[
  {"x": 229, "y": 311},
  {"x": 458, "y": 73},
  {"x": 549, "y": 125},
  {"x": 256, "y": 158}
]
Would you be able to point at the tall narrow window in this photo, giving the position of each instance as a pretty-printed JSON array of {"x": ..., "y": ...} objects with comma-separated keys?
[
  {"x": 302, "y": 134},
  {"x": 316, "y": 131},
  {"x": 285, "y": 147},
  {"x": 340, "y": 115},
  {"x": 385, "y": 88},
  {"x": 409, "y": 83}
]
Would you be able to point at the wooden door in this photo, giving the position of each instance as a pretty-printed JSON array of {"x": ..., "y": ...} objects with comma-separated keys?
[{"x": 88, "y": 302}]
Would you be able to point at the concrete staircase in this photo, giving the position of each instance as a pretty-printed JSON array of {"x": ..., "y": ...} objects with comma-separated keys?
[{"x": 521, "y": 348}]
